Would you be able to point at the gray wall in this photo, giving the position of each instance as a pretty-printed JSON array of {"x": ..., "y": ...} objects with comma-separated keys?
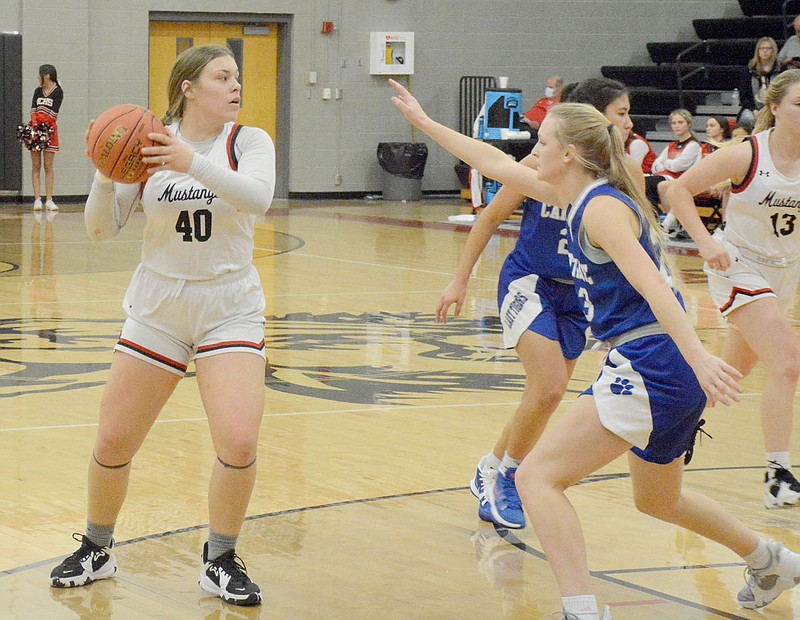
[{"x": 100, "y": 50}]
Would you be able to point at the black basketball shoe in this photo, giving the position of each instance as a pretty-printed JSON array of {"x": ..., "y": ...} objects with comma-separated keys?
[
  {"x": 89, "y": 563},
  {"x": 226, "y": 576}
]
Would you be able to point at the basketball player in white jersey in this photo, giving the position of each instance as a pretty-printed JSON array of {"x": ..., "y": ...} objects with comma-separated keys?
[
  {"x": 195, "y": 296},
  {"x": 753, "y": 266}
]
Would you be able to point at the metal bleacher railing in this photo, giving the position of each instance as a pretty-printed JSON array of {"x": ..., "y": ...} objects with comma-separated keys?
[{"x": 680, "y": 76}]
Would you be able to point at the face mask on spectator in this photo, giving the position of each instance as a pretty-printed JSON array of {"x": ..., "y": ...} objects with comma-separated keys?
[{"x": 549, "y": 92}]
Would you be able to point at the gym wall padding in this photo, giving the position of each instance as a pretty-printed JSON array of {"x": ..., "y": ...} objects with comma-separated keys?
[{"x": 11, "y": 107}]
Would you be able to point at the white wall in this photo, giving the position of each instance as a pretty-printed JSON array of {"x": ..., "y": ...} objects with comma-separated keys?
[
  {"x": 10, "y": 16},
  {"x": 100, "y": 49}
]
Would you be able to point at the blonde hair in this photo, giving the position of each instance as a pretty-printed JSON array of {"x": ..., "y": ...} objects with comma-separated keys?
[
  {"x": 601, "y": 150},
  {"x": 188, "y": 66},
  {"x": 776, "y": 91},
  {"x": 685, "y": 115},
  {"x": 755, "y": 61}
]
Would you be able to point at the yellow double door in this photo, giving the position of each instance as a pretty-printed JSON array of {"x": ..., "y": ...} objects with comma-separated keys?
[{"x": 256, "y": 55}]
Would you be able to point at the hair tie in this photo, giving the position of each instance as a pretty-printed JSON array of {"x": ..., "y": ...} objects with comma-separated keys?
[{"x": 610, "y": 127}]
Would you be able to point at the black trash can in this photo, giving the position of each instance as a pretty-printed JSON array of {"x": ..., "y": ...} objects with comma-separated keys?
[
  {"x": 462, "y": 172},
  {"x": 402, "y": 169}
]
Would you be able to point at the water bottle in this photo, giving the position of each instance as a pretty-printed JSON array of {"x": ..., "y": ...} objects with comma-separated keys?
[{"x": 735, "y": 99}]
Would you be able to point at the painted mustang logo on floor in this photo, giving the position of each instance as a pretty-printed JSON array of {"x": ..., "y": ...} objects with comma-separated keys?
[{"x": 360, "y": 359}]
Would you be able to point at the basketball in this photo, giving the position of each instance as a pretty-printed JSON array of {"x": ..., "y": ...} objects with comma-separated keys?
[{"x": 116, "y": 139}]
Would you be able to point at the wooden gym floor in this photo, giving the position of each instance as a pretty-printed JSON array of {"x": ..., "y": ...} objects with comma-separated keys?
[{"x": 375, "y": 420}]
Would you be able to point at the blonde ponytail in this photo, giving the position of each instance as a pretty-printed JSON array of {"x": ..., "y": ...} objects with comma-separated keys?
[
  {"x": 601, "y": 151},
  {"x": 776, "y": 91}
]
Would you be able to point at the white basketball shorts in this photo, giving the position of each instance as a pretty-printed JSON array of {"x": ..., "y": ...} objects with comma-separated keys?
[{"x": 171, "y": 321}]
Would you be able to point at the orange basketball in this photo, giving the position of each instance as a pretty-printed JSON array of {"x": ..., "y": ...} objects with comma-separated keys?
[{"x": 117, "y": 138}]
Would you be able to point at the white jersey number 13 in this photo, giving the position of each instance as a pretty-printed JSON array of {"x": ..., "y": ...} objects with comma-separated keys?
[{"x": 782, "y": 223}]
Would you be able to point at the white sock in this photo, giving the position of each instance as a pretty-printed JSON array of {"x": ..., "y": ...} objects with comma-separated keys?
[
  {"x": 509, "y": 462},
  {"x": 761, "y": 557},
  {"x": 781, "y": 458},
  {"x": 583, "y": 607},
  {"x": 490, "y": 461}
]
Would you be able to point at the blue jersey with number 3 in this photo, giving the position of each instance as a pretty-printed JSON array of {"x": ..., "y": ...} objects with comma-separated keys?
[{"x": 611, "y": 305}]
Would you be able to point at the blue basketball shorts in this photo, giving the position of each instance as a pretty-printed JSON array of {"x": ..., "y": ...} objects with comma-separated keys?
[
  {"x": 649, "y": 396},
  {"x": 544, "y": 306}
]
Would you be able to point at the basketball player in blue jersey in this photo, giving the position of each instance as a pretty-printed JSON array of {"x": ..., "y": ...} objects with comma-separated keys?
[
  {"x": 611, "y": 97},
  {"x": 657, "y": 377},
  {"x": 535, "y": 291},
  {"x": 753, "y": 265},
  {"x": 195, "y": 295},
  {"x": 541, "y": 319}
]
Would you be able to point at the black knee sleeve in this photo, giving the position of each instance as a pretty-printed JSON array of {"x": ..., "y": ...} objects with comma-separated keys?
[
  {"x": 224, "y": 464},
  {"x": 104, "y": 466}
]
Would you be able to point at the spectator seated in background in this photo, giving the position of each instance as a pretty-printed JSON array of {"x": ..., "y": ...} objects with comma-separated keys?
[
  {"x": 552, "y": 96},
  {"x": 789, "y": 56},
  {"x": 763, "y": 66},
  {"x": 718, "y": 131},
  {"x": 679, "y": 155},
  {"x": 639, "y": 148},
  {"x": 676, "y": 158}
]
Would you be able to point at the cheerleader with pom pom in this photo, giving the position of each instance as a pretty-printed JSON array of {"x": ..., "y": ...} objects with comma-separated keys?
[{"x": 40, "y": 136}]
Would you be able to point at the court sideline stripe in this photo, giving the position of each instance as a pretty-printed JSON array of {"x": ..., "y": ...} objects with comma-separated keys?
[
  {"x": 266, "y": 515},
  {"x": 510, "y": 538}
]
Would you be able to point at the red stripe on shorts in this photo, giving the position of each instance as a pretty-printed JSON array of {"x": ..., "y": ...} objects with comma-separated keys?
[
  {"x": 152, "y": 355},
  {"x": 741, "y": 291},
  {"x": 232, "y": 344}
]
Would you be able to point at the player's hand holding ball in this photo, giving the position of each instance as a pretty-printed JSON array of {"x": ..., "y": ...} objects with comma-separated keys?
[
  {"x": 167, "y": 153},
  {"x": 127, "y": 144},
  {"x": 116, "y": 139}
]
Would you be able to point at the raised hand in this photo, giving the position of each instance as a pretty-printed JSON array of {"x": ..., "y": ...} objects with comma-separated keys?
[{"x": 408, "y": 104}]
